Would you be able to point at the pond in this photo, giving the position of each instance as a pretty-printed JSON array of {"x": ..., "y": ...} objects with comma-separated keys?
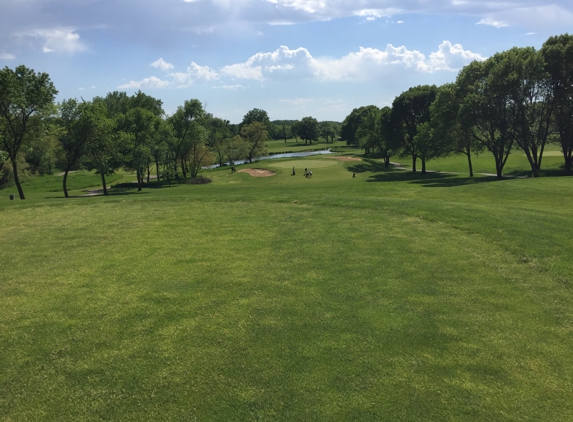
[{"x": 282, "y": 155}]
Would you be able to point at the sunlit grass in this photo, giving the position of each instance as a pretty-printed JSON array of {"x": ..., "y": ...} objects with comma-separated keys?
[{"x": 388, "y": 296}]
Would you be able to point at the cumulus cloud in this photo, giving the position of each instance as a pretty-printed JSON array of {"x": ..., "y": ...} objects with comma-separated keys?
[
  {"x": 361, "y": 65},
  {"x": 161, "y": 64},
  {"x": 151, "y": 82},
  {"x": 282, "y": 62},
  {"x": 451, "y": 57},
  {"x": 7, "y": 56},
  {"x": 194, "y": 72}
]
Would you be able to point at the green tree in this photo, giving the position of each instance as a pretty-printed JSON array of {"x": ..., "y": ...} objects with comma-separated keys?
[
  {"x": 369, "y": 133},
  {"x": 558, "y": 54},
  {"x": 74, "y": 137},
  {"x": 236, "y": 149},
  {"x": 294, "y": 128},
  {"x": 451, "y": 125},
  {"x": 531, "y": 97},
  {"x": 219, "y": 136},
  {"x": 410, "y": 110},
  {"x": 487, "y": 106},
  {"x": 256, "y": 115},
  {"x": 104, "y": 155},
  {"x": 308, "y": 130},
  {"x": 185, "y": 123},
  {"x": 328, "y": 131},
  {"x": 25, "y": 96},
  {"x": 139, "y": 128},
  {"x": 255, "y": 135},
  {"x": 285, "y": 132},
  {"x": 352, "y": 122}
]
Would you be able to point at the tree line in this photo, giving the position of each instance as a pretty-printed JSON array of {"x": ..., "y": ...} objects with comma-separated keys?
[
  {"x": 521, "y": 97},
  {"x": 129, "y": 132}
]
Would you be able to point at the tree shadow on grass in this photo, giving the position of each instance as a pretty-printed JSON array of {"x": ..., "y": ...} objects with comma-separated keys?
[
  {"x": 368, "y": 165},
  {"x": 430, "y": 179}
]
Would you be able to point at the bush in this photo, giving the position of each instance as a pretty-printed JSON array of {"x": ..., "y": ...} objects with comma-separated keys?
[{"x": 199, "y": 180}]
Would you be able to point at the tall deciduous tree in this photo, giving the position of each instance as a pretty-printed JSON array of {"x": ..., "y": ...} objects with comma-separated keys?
[
  {"x": 352, "y": 122},
  {"x": 558, "y": 54},
  {"x": 255, "y": 134},
  {"x": 139, "y": 127},
  {"x": 531, "y": 97},
  {"x": 409, "y": 110},
  {"x": 185, "y": 122},
  {"x": 369, "y": 133},
  {"x": 308, "y": 129},
  {"x": 256, "y": 115},
  {"x": 486, "y": 89},
  {"x": 24, "y": 97},
  {"x": 451, "y": 125}
]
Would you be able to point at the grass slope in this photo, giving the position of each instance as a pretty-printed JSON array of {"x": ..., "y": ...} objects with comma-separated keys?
[{"x": 389, "y": 296}]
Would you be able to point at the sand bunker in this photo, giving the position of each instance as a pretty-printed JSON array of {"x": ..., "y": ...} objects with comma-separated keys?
[
  {"x": 347, "y": 158},
  {"x": 258, "y": 172}
]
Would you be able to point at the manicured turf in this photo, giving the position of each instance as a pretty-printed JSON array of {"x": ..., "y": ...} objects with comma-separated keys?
[{"x": 389, "y": 296}]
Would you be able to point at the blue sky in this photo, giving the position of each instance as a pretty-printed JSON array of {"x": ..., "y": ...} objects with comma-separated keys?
[{"x": 292, "y": 58}]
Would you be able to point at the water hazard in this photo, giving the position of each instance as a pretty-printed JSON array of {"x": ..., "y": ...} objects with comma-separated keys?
[{"x": 282, "y": 155}]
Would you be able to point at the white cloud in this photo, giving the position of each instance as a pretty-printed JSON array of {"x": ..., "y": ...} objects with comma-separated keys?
[
  {"x": 230, "y": 87},
  {"x": 161, "y": 64},
  {"x": 493, "y": 22},
  {"x": 282, "y": 62},
  {"x": 541, "y": 16},
  {"x": 151, "y": 82},
  {"x": 451, "y": 57},
  {"x": 7, "y": 56},
  {"x": 194, "y": 72},
  {"x": 57, "y": 40},
  {"x": 364, "y": 64},
  {"x": 372, "y": 14}
]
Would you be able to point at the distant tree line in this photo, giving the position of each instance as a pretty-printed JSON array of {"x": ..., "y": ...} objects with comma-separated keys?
[
  {"x": 129, "y": 132},
  {"x": 521, "y": 98}
]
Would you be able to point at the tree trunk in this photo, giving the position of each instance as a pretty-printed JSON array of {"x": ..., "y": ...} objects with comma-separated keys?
[
  {"x": 157, "y": 169},
  {"x": 148, "y": 174},
  {"x": 470, "y": 166},
  {"x": 532, "y": 163},
  {"x": 414, "y": 157},
  {"x": 183, "y": 168},
  {"x": 387, "y": 161},
  {"x": 568, "y": 163},
  {"x": 103, "y": 183},
  {"x": 17, "y": 179},
  {"x": 65, "y": 183},
  {"x": 423, "y": 166},
  {"x": 138, "y": 180}
]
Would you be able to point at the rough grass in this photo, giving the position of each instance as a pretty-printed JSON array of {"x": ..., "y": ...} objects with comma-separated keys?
[{"x": 389, "y": 296}]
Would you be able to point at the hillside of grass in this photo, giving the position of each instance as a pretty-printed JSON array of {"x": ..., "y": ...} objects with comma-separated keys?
[{"x": 385, "y": 296}]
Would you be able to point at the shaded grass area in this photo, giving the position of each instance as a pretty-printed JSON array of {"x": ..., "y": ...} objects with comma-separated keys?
[
  {"x": 517, "y": 164},
  {"x": 229, "y": 301},
  {"x": 53, "y": 182}
]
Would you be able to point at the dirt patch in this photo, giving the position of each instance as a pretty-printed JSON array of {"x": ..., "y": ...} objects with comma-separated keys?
[
  {"x": 258, "y": 172},
  {"x": 347, "y": 158}
]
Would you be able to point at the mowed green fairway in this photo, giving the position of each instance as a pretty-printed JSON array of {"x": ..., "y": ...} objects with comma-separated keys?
[{"x": 388, "y": 296}]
